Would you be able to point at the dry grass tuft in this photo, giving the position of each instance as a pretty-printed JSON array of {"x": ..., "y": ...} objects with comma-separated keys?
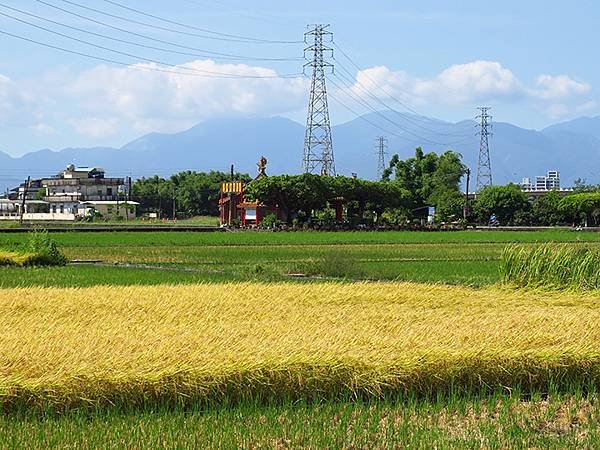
[{"x": 233, "y": 342}]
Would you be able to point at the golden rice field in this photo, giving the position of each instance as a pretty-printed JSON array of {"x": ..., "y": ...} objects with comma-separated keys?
[{"x": 251, "y": 341}]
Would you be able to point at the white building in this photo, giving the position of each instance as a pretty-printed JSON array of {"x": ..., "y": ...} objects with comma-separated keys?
[
  {"x": 72, "y": 194},
  {"x": 543, "y": 183}
]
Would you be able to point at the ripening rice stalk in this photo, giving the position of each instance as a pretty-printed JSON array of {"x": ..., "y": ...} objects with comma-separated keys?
[
  {"x": 145, "y": 345},
  {"x": 552, "y": 266},
  {"x": 17, "y": 259}
]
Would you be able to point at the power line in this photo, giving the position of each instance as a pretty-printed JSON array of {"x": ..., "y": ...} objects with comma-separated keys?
[
  {"x": 408, "y": 118},
  {"x": 191, "y": 27},
  {"x": 113, "y": 61},
  {"x": 373, "y": 124},
  {"x": 130, "y": 55},
  {"x": 418, "y": 116},
  {"x": 263, "y": 17},
  {"x": 150, "y": 38},
  {"x": 215, "y": 36},
  {"x": 374, "y": 83},
  {"x": 374, "y": 110},
  {"x": 137, "y": 44},
  {"x": 363, "y": 118}
]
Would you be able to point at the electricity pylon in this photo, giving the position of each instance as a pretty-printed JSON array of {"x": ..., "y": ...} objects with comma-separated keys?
[
  {"x": 484, "y": 166},
  {"x": 318, "y": 146},
  {"x": 381, "y": 147}
]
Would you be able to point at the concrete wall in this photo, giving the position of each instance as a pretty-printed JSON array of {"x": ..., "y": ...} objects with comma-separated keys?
[
  {"x": 39, "y": 216},
  {"x": 112, "y": 211}
]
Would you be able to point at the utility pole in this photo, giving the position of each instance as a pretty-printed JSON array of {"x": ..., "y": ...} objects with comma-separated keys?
[
  {"x": 466, "y": 208},
  {"x": 232, "y": 201},
  {"x": 128, "y": 196},
  {"x": 25, "y": 193},
  {"x": 484, "y": 166},
  {"x": 174, "y": 203},
  {"x": 381, "y": 146},
  {"x": 318, "y": 145}
]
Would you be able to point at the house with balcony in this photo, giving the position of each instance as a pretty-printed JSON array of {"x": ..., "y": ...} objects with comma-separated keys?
[{"x": 70, "y": 195}]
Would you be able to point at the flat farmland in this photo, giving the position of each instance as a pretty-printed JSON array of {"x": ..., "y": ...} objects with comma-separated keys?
[
  {"x": 298, "y": 340},
  {"x": 470, "y": 258}
]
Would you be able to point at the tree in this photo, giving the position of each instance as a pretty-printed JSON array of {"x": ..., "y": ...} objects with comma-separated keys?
[
  {"x": 547, "y": 210},
  {"x": 195, "y": 193},
  {"x": 508, "y": 203},
  {"x": 308, "y": 193},
  {"x": 431, "y": 180},
  {"x": 293, "y": 194},
  {"x": 581, "y": 208},
  {"x": 449, "y": 205}
]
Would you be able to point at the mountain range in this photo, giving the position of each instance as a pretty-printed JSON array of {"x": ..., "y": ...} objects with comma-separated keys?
[{"x": 572, "y": 147}]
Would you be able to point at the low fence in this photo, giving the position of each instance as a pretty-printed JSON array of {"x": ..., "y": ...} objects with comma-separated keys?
[{"x": 46, "y": 217}]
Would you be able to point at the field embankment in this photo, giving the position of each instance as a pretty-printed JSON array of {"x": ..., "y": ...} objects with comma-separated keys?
[{"x": 130, "y": 346}]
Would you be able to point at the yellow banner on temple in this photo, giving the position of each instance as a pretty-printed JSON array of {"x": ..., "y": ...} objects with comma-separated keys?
[{"x": 235, "y": 187}]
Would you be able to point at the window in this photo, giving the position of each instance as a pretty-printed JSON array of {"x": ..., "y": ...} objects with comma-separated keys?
[{"x": 109, "y": 191}]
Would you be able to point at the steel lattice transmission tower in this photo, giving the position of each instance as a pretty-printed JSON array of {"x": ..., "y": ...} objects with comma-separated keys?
[
  {"x": 484, "y": 166},
  {"x": 318, "y": 146},
  {"x": 381, "y": 147}
]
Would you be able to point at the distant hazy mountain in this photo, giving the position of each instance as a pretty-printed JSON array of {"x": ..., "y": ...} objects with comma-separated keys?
[{"x": 571, "y": 147}]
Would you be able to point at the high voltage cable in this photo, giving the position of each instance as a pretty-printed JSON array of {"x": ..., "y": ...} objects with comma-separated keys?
[
  {"x": 150, "y": 60},
  {"x": 372, "y": 81},
  {"x": 150, "y": 38},
  {"x": 113, "y": 61},
  {"x": 264, "y": 17},
  {"x": 171, "y": 30},
  {"x": 416, "y": 138},
  {"x": 191, "y": 27},
  {"x": 363, "y": 102},
  {"x": 363, "y": 118},
  {"x": 422, "y": 117},
  {"x": 137, "y": 44},
  {"x": 408, "y": 118}
]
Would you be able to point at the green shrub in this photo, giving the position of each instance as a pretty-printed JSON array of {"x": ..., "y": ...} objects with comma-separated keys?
[
  {"x": 45, "y": 250},
  {"x": 270, "y": 221},
  {"x": 331, "y": 265}
]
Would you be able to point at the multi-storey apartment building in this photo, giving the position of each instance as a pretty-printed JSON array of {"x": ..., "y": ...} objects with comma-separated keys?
[{"x": 73, "y": 193}]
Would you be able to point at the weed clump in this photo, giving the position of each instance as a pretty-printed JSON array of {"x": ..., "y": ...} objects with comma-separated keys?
[
  {"x": 39, "y": 250},
  {"x": 555, "y": 266}
]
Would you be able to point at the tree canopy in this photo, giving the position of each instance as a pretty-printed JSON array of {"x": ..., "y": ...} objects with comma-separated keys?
[{"x": 194, "y": 193}]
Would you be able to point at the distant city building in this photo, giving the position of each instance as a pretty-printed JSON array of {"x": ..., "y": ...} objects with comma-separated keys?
[
  {"x": 72, "y": 194},
  {"x": 526, "y": 184},
  {"x": 543, "y": 183}
]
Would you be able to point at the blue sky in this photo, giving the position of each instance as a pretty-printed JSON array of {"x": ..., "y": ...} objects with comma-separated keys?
[{"x": 532, "y": 61}]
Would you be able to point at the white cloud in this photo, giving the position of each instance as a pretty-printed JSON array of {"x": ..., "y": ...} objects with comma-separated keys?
[
  {"x": 477, "y": 80},
  {"x": 148, "y": 100},
  {"x": 95, "y": 127},
  {"x": 457, "y": 85},
  {"x": 17, "y": 107},
  {"x": 105, "y": 102},
  {"x": 550, "y": 87},
  {"x": 465, "y": 84},
  {"x": 43, "y": 129}
]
